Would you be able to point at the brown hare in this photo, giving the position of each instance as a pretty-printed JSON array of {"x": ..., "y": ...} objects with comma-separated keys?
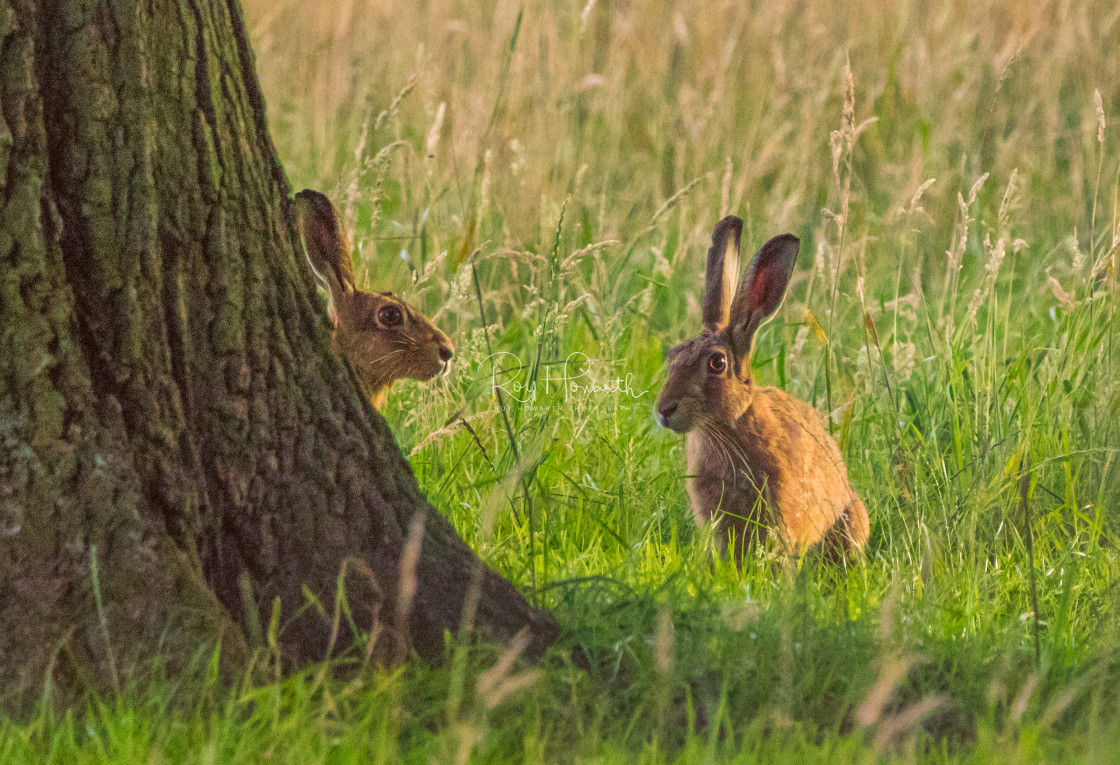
[
  {"x": 382, "y": 336},
  {"x": 758, "y": 459}
]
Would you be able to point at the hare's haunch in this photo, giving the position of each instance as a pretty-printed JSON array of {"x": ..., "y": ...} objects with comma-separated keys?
[
  {"x": 758, "y": 459},
  {"x": 384, "y": 337}
]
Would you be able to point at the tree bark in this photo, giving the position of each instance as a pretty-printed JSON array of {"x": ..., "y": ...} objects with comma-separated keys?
[{"x": 175, "y": 431}]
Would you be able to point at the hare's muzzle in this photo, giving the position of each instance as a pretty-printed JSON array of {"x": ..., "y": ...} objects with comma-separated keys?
[
  {"x": 665, "y": 412},
  {"x": 446, "y": 351}
]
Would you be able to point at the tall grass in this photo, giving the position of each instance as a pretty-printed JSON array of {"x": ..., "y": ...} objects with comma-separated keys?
[{"x": 542, "y": 179}]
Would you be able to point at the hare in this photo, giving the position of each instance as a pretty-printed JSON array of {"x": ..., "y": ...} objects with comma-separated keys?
[
  {"x": 382, "y": 336},
  {"x": 758, "y": 459}
]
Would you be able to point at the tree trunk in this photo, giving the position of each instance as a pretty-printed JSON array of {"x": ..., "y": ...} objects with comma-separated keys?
[{"x": 175, "y": 433}]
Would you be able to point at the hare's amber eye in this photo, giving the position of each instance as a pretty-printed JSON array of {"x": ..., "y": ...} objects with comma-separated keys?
[
  {"x": 717, "y": 363},
  {"x": 390, "y": 316}
]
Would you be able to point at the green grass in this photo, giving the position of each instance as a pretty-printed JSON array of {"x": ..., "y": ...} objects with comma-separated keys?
[{"x": 563, "y": 167}]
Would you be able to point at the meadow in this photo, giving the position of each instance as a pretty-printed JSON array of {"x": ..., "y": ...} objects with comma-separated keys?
[{"x": 542, "y": 178}]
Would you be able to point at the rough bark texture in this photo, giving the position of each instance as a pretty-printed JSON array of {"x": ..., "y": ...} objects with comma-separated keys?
[{"x": 171, "y": 415}]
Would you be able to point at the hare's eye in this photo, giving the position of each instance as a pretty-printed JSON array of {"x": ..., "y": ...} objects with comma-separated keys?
[
  {"x": 390, "y": 316},
  {"x": 717, "y": 363}
]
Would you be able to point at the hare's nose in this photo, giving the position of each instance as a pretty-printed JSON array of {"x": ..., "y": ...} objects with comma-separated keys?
[
  {"x": 666, "y": 411},
  {"x": 446, "y": 352}
]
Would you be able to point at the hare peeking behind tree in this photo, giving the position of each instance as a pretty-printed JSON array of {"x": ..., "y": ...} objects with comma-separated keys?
[
  {"x": 382, "y": 336},
  {"x": 759, "y": 461}
]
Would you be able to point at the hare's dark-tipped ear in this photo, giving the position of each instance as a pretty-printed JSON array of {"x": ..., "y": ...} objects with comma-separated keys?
[
  {"x": 325, "y": 243},
  {"x": 722, "y": 271},
  {"x": 761, "y": 291}
]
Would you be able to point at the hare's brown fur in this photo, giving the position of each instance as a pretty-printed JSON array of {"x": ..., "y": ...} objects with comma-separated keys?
[
  {"x": 384, "y": 337},
  {"x": 759, "y": 460},
  {"x": 775, "y": 468}
]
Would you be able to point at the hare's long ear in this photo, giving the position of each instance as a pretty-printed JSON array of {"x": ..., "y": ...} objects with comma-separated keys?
[
  {"x": 326, "y": 246},
  {"x": 761, "y": 292},
  {"x": 723, "y": 270}
]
